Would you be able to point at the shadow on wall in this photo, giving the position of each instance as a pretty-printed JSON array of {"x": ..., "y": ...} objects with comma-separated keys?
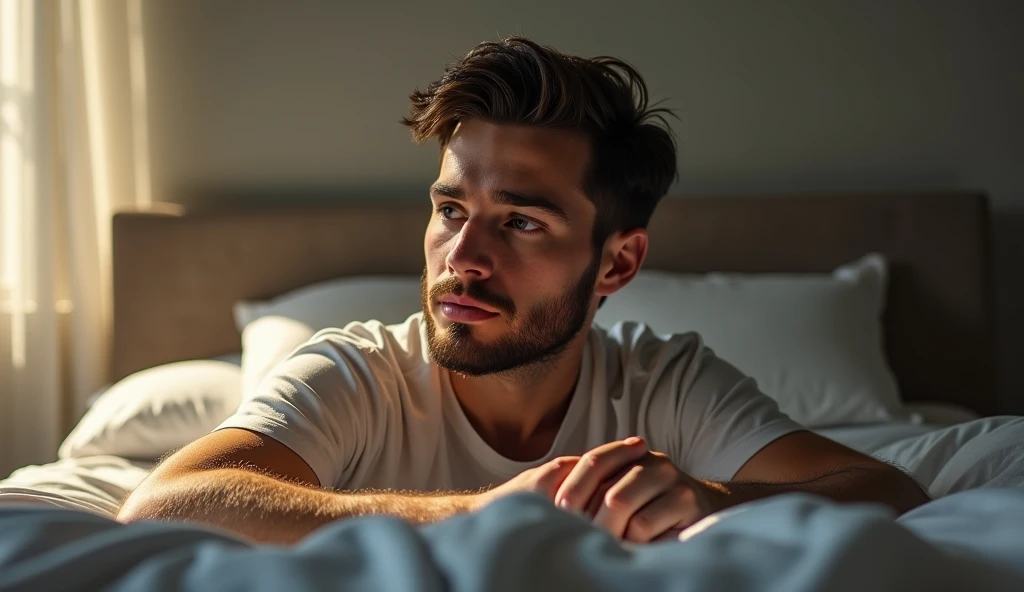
[{"x": 1007, "y": 255}]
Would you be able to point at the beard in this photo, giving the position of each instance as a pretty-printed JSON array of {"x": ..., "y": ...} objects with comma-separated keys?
[{"x": 544, "y": 331}]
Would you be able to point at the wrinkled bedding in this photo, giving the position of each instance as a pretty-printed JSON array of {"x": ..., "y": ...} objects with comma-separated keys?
[
  {"x": 96, "y": 484},
  {"x": 969, "y": 540},
  {"x": 987, "y": 452},
  {"x": 970, "y": 537}
]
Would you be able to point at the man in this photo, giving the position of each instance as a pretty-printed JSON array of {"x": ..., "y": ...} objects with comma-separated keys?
[{"x": 551, "y": 167}]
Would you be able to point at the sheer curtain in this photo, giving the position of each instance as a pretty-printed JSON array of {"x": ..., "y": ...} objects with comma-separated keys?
[{"x": 73, "y": 149}]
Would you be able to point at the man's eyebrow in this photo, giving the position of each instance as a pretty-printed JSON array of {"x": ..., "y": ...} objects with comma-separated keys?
[
  {"x": 530, "y": 201},
  {"x": 447, "y": 191},
  {"x": 508, "y": 198}
]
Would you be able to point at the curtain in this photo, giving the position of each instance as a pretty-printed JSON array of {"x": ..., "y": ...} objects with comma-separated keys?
[{"x": 73, "y": 149}]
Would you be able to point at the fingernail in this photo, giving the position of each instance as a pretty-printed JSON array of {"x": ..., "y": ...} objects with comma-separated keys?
[
  {"x": 564, "y": 504},
  {"x": 632, "y": 441}
]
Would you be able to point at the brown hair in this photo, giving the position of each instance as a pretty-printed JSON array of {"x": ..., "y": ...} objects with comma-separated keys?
[{"x": 517, "y": 81}]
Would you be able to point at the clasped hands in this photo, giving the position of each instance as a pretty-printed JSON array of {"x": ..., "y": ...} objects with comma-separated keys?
[{"x": 636, "y": 494}]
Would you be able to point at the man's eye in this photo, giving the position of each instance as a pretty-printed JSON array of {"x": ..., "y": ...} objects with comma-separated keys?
[
  {"x": 524, "y": 224},
  {"x": 448, "y": 212}
]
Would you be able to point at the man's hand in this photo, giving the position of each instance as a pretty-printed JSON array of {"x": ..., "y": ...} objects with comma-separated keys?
[
  {"x": 543, "y": 479},
  {"x": 636, "y": 494}
]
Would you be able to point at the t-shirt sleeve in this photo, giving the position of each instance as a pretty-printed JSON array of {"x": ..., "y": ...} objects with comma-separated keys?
[
  {"x": 323, "y": 402},
  {"x": 721, "y": 418}
]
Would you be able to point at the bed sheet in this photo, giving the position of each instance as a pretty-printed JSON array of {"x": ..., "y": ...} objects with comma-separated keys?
[
  {"x": 968, "y": 538},
  {"x": 921, "y": 418},
  {"x": 869, "y": 438},
  {"x": 95, "y": 484},
  {"x": 796, "y": 543},
  {"x": 985, "y": 452}
]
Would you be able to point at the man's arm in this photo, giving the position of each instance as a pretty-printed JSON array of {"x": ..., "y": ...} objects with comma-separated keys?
[
  {"x": 642, "y": 496},
  {"x": 807, "y": 462},
  {"x": 257, "y": 487},
  {"x": 253, "y": 485}
]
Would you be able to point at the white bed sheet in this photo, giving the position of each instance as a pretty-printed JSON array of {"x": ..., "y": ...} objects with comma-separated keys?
[
  {"x": 96, "y": 484},
  {"x": 922, "y": 419},
  {"x": 985, "y": 452},
  {"x": 869, "y": 438}
]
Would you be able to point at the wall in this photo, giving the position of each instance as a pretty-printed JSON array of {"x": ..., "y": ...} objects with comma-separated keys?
[{"x": 304, "y": 96}]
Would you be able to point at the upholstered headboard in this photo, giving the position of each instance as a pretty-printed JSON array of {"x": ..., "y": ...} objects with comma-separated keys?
[{"x": 177, "y": 273}]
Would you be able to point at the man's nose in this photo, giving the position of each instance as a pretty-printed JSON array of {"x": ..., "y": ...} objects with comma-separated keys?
[{"x": 469, "y": 257}]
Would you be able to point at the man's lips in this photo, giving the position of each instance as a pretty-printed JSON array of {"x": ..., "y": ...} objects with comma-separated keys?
[
  {"x": 467, "y": 303},
  {"x": 465, "y": 310}
]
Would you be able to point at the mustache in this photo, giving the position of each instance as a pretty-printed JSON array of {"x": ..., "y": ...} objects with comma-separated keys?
[{"x": 474, "y": 290}]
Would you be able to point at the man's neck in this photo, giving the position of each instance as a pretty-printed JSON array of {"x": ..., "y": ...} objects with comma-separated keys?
[{"x": 519, "y": 413}]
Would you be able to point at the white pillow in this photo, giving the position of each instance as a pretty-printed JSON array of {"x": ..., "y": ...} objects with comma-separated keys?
[
  {"x": 336, "y": 303},
  {"x": 813, "y": 342},
  {"x": 154, "y": 411},
  {"x": 267, "y": 341},
  {"x": 272, "y": 329}
]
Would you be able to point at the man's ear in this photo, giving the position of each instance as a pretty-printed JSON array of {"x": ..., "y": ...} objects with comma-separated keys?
[{"x": 623, "y": 254}]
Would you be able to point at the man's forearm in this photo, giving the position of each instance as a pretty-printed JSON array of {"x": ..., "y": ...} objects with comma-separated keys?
[
  {"x": 269, "y": 510},
  {"x": 885, "y": 485}
]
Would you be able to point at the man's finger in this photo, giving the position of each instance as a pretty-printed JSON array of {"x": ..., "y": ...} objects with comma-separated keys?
[
  {"x": 641, "y": 485},
  {"x": 554, "y": 473},
  {"x": 670, "y": 512},
  {"x": 595, "y": 467},
  {"x": 597, "y": 500}
]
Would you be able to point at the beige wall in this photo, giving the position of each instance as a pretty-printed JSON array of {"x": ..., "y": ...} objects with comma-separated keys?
[{"x": 304, "y": 96}]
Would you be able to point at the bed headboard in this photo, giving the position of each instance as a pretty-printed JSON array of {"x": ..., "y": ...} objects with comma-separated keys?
[{"x": 177, "y": 272}]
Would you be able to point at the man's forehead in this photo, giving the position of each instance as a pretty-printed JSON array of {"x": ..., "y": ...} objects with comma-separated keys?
[
  {"x": 515, "y": 158},
  {"x": 474, "y": 169},
  {"x": 520, "y": 142}
]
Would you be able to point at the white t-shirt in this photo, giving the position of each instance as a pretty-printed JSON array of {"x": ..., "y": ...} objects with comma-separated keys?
[{"x": 365, "y": 408}]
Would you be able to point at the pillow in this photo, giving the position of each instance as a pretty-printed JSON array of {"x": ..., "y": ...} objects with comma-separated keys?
[
  {"x": 265, "y": 342},
  {"x": 156, "y": 410},
  {"x": 336, "y": 303},
  {"x": 813, "y": 342},
  {"x": 272, "y": 329}
]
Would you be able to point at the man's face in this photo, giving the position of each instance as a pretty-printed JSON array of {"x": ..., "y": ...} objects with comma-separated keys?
[{"x": 510, "y": 266}]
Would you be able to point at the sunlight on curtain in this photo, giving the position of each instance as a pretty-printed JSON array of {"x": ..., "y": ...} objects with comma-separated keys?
[{"x": 66, "y": 164}]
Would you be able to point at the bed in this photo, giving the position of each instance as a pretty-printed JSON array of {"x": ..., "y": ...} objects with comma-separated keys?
[{"x": 192, "y": 285}]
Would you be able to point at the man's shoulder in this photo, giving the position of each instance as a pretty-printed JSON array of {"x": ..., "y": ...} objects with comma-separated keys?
[
  {"x": 632, "y": 351},
  {"x": 403, "y": 339},
  {"x": 632, "y": 336}
]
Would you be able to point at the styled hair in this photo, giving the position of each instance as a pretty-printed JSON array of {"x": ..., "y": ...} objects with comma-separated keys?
[{"x": 517, "y": 81}]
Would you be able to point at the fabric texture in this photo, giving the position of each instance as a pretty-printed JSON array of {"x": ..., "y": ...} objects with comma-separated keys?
[
  {"x": 152, "y": 412},
  {"x": 796, "y": 543},
  {"x": 365, "y": 408},
  {"x": 96, "y": 484},
  {"x": 813, "y": 342}
]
